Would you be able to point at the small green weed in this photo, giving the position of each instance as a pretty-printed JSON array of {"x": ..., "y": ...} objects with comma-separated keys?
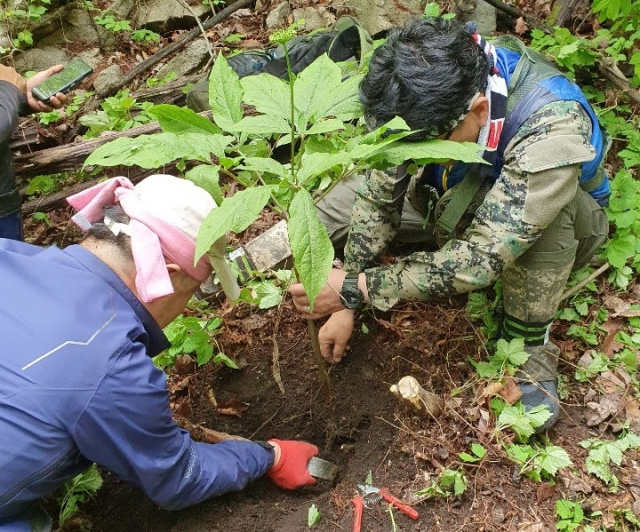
[
  {"x": 449, "y": 482},
  {"x": 76, "y": 491},
  {"x": 604, "y": 453},
  {"x": 508, "y": 356},
  {"x": 190, "y": 335},
  {"x": 109, "y": 22},
  {"x": 538, "y": 462},
  {"x": 313, "y": 516},
  {"x": 118, "y": 113},
  {"x": 479, "y": 452},
  {"x": 570, "y": 514},
  {"x": 523, "y": 423}
]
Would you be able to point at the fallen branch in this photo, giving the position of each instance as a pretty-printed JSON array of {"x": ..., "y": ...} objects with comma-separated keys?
[
  {"x": 136, "y": 71},
  {"x": 516, "y": 13},
  {"x": 585, "y": 282},
  {"x": 71, "y": 156},
  {"x": 609, "y": 69}
]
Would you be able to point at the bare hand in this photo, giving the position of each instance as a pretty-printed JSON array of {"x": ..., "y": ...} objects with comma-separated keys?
[
  {"x": 55, "y": 102},
  {"x": 334, "y": 335},
  {"x": 327, "y": 301}
]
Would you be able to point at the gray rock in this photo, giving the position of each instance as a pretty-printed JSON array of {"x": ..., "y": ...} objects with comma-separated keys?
[
  {"x": 478, "y": 11},
  {"x": 38, "y": 59},
  {"x": 278, "y": 15},
  {"x": 123, "y": 8},
  {"x": 91, "y": 56},
  {"x": 167, "y": 15},
  {"x": 76, "y": 26},
  {"x": 380, "y": 15},
  {"x": 314, "y": 17},
  {"x": 107, "y": 79},
  {"x": 190, "y": 60}
]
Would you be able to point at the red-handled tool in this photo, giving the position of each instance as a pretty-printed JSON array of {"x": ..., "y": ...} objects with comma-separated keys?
[
  {"x": 358, "y": 507},
  {"x": 394, "y": 501}
]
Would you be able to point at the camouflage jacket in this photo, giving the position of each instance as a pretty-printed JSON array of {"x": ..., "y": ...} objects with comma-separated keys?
[{"x": 542, "y": 165}]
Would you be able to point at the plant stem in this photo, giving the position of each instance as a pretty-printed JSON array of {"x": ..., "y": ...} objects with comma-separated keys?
[
  {"x": 292, "y": 79},
  {"x": 315, "y": 343}
]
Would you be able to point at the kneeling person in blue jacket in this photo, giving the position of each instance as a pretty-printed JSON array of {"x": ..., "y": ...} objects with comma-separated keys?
[{"x": 77, "y": 383}]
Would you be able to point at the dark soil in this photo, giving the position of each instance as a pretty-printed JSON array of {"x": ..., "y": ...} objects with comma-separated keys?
[{"x": 362, "y": 429}]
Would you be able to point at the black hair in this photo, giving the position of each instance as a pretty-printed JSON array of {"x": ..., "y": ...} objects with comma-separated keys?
[
  {"x": 426, "y": 72},
  {"x": 100, "y": 231}
]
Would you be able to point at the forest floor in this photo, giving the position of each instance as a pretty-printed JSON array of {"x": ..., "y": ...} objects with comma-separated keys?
[{"x": 369, "y": 434}]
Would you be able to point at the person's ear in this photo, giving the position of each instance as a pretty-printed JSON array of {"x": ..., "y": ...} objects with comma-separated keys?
[
  {"x": 480, "y": 110},
  {"x": 179, "y": 279}
]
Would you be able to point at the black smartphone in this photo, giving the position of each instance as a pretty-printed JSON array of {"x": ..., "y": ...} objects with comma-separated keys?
[{"x": 74, "y": 72}]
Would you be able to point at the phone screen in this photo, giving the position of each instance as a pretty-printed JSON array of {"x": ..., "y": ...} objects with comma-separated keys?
[{"x": 73, "y": 73}]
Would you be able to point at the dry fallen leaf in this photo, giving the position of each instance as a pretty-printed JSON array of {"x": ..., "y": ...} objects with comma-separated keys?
[{"x": 607, "y": 406}]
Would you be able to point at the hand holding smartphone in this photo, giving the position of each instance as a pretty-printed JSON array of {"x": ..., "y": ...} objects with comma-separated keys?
[{"x": 62, "y": 82}]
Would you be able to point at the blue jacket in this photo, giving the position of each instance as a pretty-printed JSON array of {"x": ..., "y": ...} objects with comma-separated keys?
[{"x": 77, "y": 385}]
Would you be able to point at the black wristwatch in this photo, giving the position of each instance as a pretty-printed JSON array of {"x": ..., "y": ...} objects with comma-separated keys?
[{"x": 352, "y": 297}]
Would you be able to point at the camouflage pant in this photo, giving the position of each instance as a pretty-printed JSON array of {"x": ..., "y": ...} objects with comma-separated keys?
[{"x": 532, "y": 286}]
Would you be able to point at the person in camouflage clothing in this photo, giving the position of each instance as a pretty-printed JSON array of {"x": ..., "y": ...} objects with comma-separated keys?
[{"x": 531, "y": 217}]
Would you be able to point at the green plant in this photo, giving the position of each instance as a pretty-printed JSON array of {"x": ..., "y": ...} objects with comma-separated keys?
[
  {"x": 155, "y": 82},
  {"x": 144, "y": 35},
  {"x": 508, "y": 356},
  {"x": 41, "y": 217},
  {"x": 478, "y": 451},
  {"x": 76, "y": 491},
  {"x": 538, "y": 462},
  {"x": 604, "y": 453},
  {"x": 16, "y": 18},
  {"x": 43, "y": 184},
  {"x": 449, "y": 482},
  {"x": 109, "y": 22},
  {"x": 522, "y": 422},
  {"x": 570, "y": 514},
  {"x": 599, "y": 364},
  {"x": 313, "y": 516},
  {"x": 479, "y": 307},
  {"x": 118, "y": 113},
  {"x": 233, "y": 38},
  {"x": 314, "y": 114},
  {"x": 49, "y": 118},
  {"x": 191, "y": 335},
  {"x": 267, "y": 293}
]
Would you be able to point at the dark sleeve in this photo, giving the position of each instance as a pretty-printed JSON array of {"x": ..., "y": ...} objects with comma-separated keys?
[
  {"x": 11, "y": 103},
  {"x": 127, "y": 427}
]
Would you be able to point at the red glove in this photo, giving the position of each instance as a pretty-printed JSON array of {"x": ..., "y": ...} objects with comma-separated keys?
[{"x": 290, "y": 472}]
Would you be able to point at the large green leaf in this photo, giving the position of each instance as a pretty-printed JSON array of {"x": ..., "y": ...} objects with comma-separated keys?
[
  {"x": 268, "y": 94},
  {"x": 342, "y": 100},
  {"x": 310, "y": 244},
  {"x": 175, "y": 119},
  {"x": 312, "y": 84},
  {"x": 260, "y": 125},
  {"x": 325, "y": 126},
  {"x": 317, "y": 163},
  {"x": 235, "y": 214},
  {"x": 425, "y": 152},
  {"x": 152, "y": 151},
  {"x": 207, "y": 176},
  {"x": 225, "y": 93},
  {"x": 264, "y": 165}
]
